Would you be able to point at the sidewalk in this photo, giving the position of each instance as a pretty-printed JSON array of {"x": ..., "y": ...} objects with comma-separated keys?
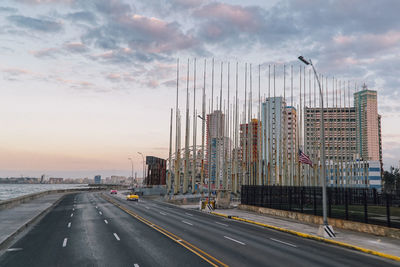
[
  {"x": 15, "y": 219},
  {"x": 377, "y": 243}
]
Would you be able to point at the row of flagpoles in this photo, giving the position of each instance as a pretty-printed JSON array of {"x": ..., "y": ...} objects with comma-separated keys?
[{"x": 250, "y": 147}]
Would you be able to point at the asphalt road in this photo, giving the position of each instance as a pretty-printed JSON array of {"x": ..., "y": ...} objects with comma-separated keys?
[
  {"x": 86, "y": 230},
  {"x": 241, "y": 244}
]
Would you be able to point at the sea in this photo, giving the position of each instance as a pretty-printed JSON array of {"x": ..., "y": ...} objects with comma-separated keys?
[{"x": 8, "y": 191}]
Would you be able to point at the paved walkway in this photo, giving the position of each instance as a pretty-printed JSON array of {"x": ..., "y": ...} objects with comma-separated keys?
[
  {"x": 12, "y": 219},
  {"x": 378, "y": 243}
]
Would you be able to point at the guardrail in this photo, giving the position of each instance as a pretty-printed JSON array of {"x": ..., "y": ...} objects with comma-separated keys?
[{"x": 9, "y": 203}]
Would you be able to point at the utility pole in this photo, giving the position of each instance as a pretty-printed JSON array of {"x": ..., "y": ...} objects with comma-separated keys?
[
  {"x": 326, "y": 228},
  {"x": 132, "y": 170}
]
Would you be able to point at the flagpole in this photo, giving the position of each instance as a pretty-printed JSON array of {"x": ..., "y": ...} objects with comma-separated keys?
[
  {"x": 203, "y": 114},
  {"x": 259, "y": 160},
  {"x": 270, "y": 182},
  {"x": 292, "y": 138},
  {"x": 177, "y": 148},
  {"x": 274, "y": 134},
  {"x": 194, "y": 129}
]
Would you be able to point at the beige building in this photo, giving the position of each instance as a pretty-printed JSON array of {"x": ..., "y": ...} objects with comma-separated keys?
[
  {"x": 368, "y": 124},
  {"x": 291, "y": 127},
  {"x": 340, "y": 133}
]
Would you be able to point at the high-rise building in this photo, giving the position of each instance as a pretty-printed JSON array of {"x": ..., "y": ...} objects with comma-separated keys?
[
  {"x": 291, "y": 128},
  {"x": 366, "y": 106},
  {"x": 156, "y": 171},
  {"x": 273, "y": 116},
  {"x": 353, "y": 142},
  {"x": 215, "y": 137},
  {"x": 340, "y": 133},
  {"x": 249, "y": 149},
  {"x": 97, "y": 179}
]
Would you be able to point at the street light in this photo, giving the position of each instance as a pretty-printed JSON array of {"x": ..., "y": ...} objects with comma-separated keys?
[
  {"x": 132, "y": 170},
  {"x": 140, "y": 153},
  {"x": 326, "y": 227}
]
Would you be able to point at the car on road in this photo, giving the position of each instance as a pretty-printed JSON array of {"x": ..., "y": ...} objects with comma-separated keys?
[
  {"x": 113, "y": 191},
  {"x": 132, "y": 197}
]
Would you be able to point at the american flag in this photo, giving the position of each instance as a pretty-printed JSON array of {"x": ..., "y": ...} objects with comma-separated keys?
[{"x": 303, "y": 158}]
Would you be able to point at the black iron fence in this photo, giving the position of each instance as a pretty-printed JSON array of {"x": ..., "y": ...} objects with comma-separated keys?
[{"x": 354, "y": 204}]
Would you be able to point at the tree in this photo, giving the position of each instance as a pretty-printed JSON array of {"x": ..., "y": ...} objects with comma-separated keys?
[{"x": 391, "y": 180}]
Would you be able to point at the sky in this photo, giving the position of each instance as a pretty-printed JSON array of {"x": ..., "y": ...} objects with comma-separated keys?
[{"x": 86, "y": 84}]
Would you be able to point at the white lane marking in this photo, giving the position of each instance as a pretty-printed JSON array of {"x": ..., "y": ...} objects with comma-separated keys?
[
  {"x": 136, "y": 265},
  {"x": 96, "y": 207},
  {"x": 179, "y": 240},
  {"x": 117, "y": 237},
  {"x": 147, "y": 207},
  {"x": 234, "y": 240},
  {"x": 163, "y": 213},
  {"x": 222, "y": 224},
  {"x": 106, "y": 221},
  {"x": 189, "y": 214},
  {"x": 73, "y": 209},
  {"x": 65, "y": 242},
  {"x": 72, "y": 214},
  {"x": 100, "y": 213},
  {"x": 69, "y": 225},
  {"x": 276, "y": 240},
  {"x": 14, "y": 249},
  {"x": 187, "y": 222}
]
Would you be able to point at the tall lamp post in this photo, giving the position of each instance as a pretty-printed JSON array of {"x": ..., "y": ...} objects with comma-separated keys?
[
  {"x": 140, "y": 153},
  {"x": 132, "y": 169},
  {"x": 327, "y": 230}
]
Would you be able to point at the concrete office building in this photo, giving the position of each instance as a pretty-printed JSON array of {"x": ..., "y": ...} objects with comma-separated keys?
[
  {"x": 291, "y": 128},
  {"x": 272, "y": 128},
  {"x": 249, "y": 151},
  {"x": 340, "y": 133},
  {"x": 215, "y": 137}
]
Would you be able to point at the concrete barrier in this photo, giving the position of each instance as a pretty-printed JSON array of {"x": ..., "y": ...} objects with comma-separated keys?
[
  {"x": 9, "y": 203},
  {"x": 339, "y": 223}
]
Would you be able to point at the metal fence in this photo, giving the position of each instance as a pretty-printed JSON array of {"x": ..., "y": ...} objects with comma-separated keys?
[{"x": 354, "y": 204}]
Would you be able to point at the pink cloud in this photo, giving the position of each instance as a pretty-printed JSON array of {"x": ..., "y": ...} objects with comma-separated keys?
[
  {"x": 114, "y": 76},
  {"x": 46, "y": 1},
  {"x": 76, "y": 47},
  {"x": 157, "y": 36},
  {"x": 17, "y": 71},
  {"x": 384, "y": 40},
  {"x": 235, "y": 15},
  {"x": 47, "y": 52}
]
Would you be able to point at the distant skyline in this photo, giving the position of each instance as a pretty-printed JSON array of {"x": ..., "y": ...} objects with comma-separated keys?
[{"x": 85, "y": 84}]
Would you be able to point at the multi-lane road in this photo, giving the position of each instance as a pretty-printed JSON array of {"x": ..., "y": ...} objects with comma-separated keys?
[{"x": 90, "y": 230}]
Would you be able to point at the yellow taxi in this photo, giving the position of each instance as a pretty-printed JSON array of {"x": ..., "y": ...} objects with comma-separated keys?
[{"x": 132, "y": 197}]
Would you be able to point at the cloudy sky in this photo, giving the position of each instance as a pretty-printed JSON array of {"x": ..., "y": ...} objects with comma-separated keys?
[{"x": 87, "y": 83}]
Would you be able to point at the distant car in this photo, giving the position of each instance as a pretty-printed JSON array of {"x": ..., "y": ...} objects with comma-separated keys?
[
  {"x": 132, "y": 197},
  {"x": 113, "y": 191}
]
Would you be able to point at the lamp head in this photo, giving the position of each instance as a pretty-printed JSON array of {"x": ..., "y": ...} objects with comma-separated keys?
[{"x": 302, "y": 59}]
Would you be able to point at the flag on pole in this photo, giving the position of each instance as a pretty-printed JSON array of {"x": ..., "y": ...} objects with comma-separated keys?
[{"x": 303, "y": 158}]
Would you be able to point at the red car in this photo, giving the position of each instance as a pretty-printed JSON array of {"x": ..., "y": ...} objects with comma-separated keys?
[{"x": 113, "y": 191}]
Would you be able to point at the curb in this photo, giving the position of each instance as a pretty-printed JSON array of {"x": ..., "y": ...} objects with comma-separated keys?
[
  {"x": 314, "y": 237},
  {"x": 28, "y": 223}
]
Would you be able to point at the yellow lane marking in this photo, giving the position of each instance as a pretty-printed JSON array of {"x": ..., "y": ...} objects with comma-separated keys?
[
  {"x": 318, "y": 238},
  {"x": 202, "y": 254}
]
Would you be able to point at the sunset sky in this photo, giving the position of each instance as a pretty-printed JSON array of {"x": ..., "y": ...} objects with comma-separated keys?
[{"x": 87, "y": 83}]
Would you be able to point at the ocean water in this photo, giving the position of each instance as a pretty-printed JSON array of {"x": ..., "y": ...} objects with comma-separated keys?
[{"x": 8, "y": 191}]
